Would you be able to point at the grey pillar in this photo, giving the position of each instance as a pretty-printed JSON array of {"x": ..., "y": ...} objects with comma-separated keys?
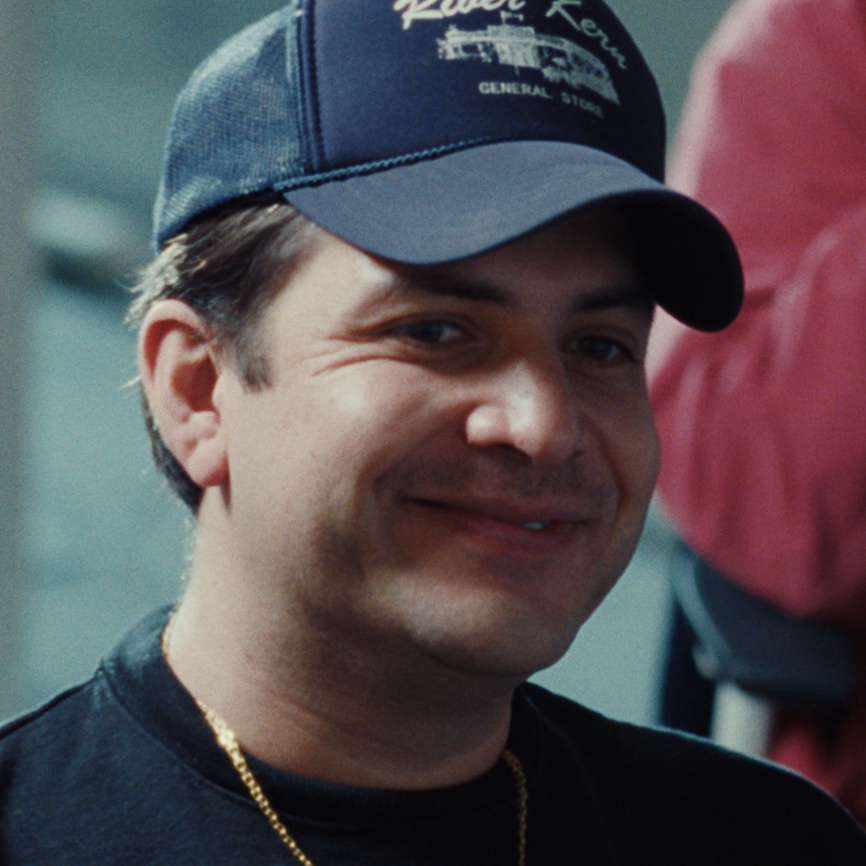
[{"x": 16, "y": 283}]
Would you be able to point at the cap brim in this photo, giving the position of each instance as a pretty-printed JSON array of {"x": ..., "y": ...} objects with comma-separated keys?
[{"x": 473, "y": 200}]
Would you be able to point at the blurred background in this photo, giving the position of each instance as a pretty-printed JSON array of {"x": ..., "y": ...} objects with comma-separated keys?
[{"x": 89, "y": 538}]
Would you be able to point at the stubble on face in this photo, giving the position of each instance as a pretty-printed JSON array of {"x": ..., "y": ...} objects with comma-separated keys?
[{"x": 419, "y": 586}]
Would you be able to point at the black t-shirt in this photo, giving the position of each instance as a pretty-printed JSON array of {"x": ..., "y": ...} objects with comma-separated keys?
[{"x": 124, "y": 770}]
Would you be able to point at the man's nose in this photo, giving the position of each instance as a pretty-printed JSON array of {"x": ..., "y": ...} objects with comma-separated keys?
[{"x": 528, "y": 406}]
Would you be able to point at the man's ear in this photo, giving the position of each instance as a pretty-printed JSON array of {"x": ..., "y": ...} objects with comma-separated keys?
[{"x": 179, "y": 369}]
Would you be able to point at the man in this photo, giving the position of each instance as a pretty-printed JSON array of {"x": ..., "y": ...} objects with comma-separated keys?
[{"x": 392, "y": 356}]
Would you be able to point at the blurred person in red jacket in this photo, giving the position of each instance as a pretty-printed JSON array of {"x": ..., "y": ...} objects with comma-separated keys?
[{"x": 764, "y": 425}]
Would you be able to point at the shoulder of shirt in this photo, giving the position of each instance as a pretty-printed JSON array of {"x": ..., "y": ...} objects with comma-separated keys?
[
  {"x": 696, "y": 769},
  {"x": 626, "y": 741},
  {"x": 97, "y": 692},
  {"x": 46, "y": 712}
]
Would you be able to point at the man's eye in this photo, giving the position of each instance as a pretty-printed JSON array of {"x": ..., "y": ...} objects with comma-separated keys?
[
  {"x": 601, "y": 350},
  {"x": 432, "y": 333}
]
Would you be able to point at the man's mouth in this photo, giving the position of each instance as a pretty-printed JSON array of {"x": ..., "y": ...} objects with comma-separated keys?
[
  {"x": 500, "y": 526},
  {"x": 534, "y": 517}
]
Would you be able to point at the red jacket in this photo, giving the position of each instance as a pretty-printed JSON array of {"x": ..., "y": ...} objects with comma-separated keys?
[{"x": 763, "y": 426}]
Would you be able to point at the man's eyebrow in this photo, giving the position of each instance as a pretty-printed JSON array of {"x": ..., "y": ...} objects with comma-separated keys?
[
  {"x": 435, "y": 282},
  {"x": 629, "y": 295}
]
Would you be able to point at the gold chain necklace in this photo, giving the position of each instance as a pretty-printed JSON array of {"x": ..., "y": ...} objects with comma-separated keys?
[{"x": 228, "y": 742}]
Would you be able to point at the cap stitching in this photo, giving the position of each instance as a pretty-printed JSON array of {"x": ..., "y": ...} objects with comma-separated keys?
[
  {"x": 312, "y": 65},
  {"x": 378, "y": 165}
]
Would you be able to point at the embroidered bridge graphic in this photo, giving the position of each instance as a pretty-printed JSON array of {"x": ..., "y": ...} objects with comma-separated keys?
[{"x": 558, "y": 59}]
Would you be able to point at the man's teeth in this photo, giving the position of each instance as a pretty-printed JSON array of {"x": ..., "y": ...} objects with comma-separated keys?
[{"x": 537, "y": 525}]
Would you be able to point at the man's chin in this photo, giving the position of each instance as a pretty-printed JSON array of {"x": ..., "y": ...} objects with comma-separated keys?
[{"x": 497, "y": 637}]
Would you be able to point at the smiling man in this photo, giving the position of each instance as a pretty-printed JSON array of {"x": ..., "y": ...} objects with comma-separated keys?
[{"x": 392, "y": 356}]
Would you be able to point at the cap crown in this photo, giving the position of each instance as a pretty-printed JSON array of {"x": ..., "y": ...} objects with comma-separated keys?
[{"x": 334, "y": 88}]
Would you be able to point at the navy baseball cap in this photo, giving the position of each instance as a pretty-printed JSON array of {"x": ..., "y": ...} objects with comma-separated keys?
[{"x": 426, "y": 131}]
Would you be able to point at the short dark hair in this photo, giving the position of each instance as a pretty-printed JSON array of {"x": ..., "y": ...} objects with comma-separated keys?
[{"x": 228, "y": 267}]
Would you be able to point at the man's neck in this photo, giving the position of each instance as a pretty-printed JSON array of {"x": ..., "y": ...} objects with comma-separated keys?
[{"x": 306, "y": 705}]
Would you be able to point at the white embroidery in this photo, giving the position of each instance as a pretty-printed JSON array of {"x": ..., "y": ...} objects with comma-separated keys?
[
  {"x": 436, "y": 10},
  {"x": 580, "y": 102},
  {"x": 513, "y": 88},
  {"x": 558, "y": 59},
  {"x": 588, "y": 27}
]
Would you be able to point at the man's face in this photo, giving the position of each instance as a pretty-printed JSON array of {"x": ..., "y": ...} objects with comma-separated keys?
[{"x": 452, "y": 460}]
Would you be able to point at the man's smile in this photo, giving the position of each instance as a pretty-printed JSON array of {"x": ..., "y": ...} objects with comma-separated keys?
[{"x": 503, "y": 526}]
